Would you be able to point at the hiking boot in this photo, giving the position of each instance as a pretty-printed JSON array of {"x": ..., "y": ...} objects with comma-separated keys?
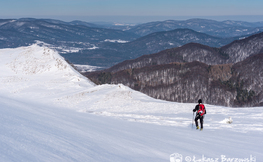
[
  {"x": 201, "y": 129},
  {"x": 197, "y": 127}
]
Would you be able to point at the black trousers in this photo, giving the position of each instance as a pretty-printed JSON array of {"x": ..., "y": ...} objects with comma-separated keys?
[{"x": 201, "y": 120}]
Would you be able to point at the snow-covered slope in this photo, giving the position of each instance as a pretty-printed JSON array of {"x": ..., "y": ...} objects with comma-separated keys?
[
  {"x": 36, "y": 72},
  {"x": 49, "y": 112}
]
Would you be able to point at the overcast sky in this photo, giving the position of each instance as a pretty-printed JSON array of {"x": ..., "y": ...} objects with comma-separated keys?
[{"x": 133, "y": 10}]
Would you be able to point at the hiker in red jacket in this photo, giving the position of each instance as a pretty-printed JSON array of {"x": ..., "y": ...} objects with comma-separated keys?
[{"x": 200, "y": 108}]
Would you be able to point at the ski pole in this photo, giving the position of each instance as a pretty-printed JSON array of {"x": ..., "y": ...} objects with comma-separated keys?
[{"x": 193, "y": 121}]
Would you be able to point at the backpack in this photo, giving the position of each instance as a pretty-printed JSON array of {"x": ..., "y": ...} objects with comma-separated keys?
[{"x": 202, "y": 108}]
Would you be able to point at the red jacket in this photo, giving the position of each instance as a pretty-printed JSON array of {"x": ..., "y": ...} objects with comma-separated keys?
[{"x": 201, "y": 109}]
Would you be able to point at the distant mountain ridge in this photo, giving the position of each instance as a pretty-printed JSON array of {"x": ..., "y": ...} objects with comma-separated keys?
[
  {"x": 92, "y": 44},
  {"x": 229, "y": 76},
  {"x": 158, "y": 36},
  {"x": 112, "y": 53},
  {"x": 231, "y": 53},
  {"x": 215, "y": 28},
  {"x": 22, "y": 32}
]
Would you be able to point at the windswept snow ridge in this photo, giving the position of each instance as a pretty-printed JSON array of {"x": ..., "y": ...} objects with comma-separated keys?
[
  {"x": 38, "y": 72},
  {"x": 49, "y": 112}
]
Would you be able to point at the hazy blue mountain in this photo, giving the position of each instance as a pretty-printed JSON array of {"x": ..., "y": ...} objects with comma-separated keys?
[
  {"x": 77, "y": 22},
  {"x": 111, "y": 53},
  {"x": 228, "y": 28},
  {"x": 108, "y": 44},
  {"x": 20, "y": 32},
  {"x": 211, "y": 27},
  {"x": 233, "y": 52}
]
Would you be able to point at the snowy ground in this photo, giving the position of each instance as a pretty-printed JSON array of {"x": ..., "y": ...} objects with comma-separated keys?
[
  {"x": 49, "y": 112},
  {"x": 87, "y": 68},
  {"x": 116, "y": 41}
]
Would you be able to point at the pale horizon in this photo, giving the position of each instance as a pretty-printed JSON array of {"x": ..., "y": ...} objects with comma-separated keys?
[
  {"x": 133, "y": 11},
  {"x": 141, "y": 19}
]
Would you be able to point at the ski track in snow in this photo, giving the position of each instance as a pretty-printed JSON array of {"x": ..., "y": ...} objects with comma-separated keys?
[{"x": 75, "y": 120}]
